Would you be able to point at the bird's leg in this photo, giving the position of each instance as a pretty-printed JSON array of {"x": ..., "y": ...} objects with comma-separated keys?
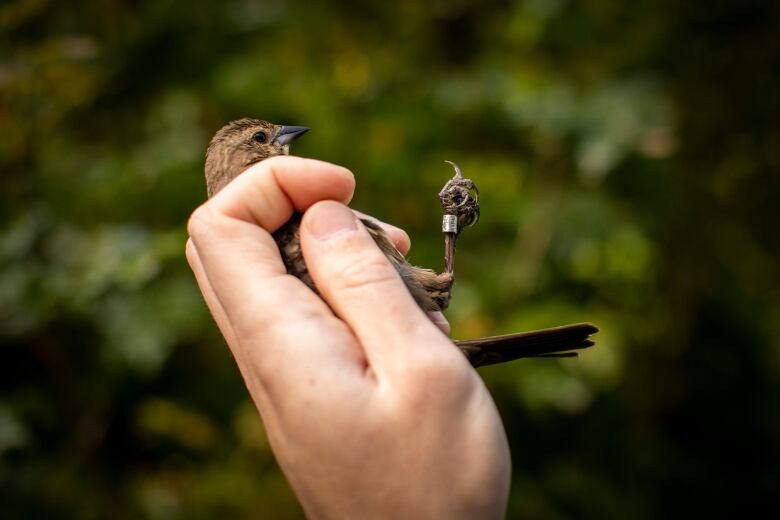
[
  {"x": 432, "y": 291},
  {"x": 460, "y": 203}
]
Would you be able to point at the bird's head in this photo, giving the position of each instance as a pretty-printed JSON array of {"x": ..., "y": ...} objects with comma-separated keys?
[{"x": 242, "y": 143}]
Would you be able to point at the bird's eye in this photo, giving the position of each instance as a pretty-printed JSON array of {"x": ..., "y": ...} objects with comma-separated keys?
[{"x": 260, "y": 137}]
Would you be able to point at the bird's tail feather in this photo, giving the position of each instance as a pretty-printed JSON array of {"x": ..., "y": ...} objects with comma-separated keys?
[{"x": 554, "y": 342}]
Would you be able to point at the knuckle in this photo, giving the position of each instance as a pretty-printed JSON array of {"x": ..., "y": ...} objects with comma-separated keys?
[
  {"x": 434, "y": 377},
  {"x": 201, "y": 221},
  {"x": 436, "y": 368}
]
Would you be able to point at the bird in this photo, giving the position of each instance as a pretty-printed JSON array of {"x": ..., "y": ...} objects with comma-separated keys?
[{"x": 243, "y": 142}]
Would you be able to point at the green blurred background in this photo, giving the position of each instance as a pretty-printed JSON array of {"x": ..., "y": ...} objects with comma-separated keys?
[{"x": 628, "y": 157}]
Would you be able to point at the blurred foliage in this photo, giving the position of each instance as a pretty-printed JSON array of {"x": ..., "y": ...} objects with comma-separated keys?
[{"x": 628, "y": 157}]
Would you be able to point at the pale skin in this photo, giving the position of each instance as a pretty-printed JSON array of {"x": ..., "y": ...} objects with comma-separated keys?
[{"x": 370, "y": 410}]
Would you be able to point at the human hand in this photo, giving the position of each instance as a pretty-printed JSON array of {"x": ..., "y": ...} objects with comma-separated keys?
[{"x": 369, "y": 408}]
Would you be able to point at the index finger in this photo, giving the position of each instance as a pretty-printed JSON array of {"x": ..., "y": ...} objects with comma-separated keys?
[
  {"x": 268, "y": 192},
  {"x": 236, "y": 224}
]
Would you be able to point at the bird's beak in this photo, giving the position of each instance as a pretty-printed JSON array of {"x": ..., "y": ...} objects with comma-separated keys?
[{"x": 288, "y": 134}]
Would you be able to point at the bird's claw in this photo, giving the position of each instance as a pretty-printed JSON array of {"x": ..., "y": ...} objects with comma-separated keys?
[{"x": 460, "y": 197}]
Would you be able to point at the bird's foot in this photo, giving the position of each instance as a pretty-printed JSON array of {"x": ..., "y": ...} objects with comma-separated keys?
[{"x": 460, "y": 198}]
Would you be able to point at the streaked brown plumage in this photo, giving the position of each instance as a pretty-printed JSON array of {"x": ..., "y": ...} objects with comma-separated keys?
[{"x": 244, "y": 142}]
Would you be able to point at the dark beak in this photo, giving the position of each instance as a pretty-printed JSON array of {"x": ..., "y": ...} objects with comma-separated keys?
[{"x": 288, "y": 134}]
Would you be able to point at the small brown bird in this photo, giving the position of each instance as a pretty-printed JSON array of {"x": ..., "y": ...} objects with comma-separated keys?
[{"x": 244, "y": 142}]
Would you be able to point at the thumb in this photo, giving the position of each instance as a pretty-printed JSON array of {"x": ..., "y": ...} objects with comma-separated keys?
[{"x": 364, "y": 289}]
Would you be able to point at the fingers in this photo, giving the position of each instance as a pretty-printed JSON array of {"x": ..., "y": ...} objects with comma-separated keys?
[
  {"x": 254, "y": 301},
  {"x": 364, "y": 289},
  {"x": 269, "y": 191},
  {"x": 218, "y": 313},
  {"x": 244, "y": 280},
  {"x": 231, "y": 231},
  {"x": 208, "y": 293}
]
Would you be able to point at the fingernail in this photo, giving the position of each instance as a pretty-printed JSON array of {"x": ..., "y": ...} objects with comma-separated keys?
[{"x": 330, "y": 218}]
